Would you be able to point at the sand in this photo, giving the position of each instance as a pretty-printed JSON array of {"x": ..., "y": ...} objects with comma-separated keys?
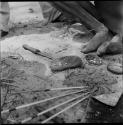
[{"x": 31, "y": 72}]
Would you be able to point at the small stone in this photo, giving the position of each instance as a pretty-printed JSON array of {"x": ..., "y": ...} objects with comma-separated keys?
[
  {"x": 31, "y": 10},
  {"x": 115, "y": 68}
]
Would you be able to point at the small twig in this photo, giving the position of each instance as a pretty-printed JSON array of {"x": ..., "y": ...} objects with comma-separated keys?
[
  {"x": 66, "y": 88},
  {"x": 5, "y": 98},
  {"x": 8, "y": 84},
  {"x": 7, "y": 80},
  {"x": 61, "y": 50},
  {"x": 68, "y": 107},
  {"x": 52, "y": 89},
  {"x": 38, "y": 102}
]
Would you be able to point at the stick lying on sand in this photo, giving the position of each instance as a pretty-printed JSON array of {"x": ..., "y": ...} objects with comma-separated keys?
[
  {"x": 41, "y": 101},
  {"x": 54, "y": 107},
  {"x": 68, "y": 107},
  {"x": 37, "y": 51},
  {"x": 52, "y": 89}
]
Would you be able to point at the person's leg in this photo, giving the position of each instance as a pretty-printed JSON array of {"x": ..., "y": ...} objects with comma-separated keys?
[
  {"x": 90, "y": 8},
  {"x": 4, "y": 17},
  {"x": 78, "y": 12}
]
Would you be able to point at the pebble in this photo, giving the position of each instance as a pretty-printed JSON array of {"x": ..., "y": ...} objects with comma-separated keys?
[{"x": 115, "y": 68}]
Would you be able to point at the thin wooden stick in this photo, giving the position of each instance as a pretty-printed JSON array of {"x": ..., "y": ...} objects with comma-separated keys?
[
  {"x": 7, "y": 80},
  {"x": 68, "y": 107},
  {"x": 41, "y": 101},
  {"x": 37, "y": 51},
  {"x": 8, "y": 84},
  {"x": 54, "y": 107},
  {"x": 65, "y": 88},
  {"x": 52, "y": 89}
]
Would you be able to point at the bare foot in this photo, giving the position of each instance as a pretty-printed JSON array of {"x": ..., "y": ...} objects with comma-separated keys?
[
  {"x": 111, "y": 47},
  {"x": 95, "y": 42}
]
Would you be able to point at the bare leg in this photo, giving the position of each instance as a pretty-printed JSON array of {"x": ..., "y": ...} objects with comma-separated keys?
[{"x": 76, "y": 11}]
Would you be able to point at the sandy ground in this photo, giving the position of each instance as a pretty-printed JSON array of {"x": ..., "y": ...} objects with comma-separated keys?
[{"x": 29, "y": 72}]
